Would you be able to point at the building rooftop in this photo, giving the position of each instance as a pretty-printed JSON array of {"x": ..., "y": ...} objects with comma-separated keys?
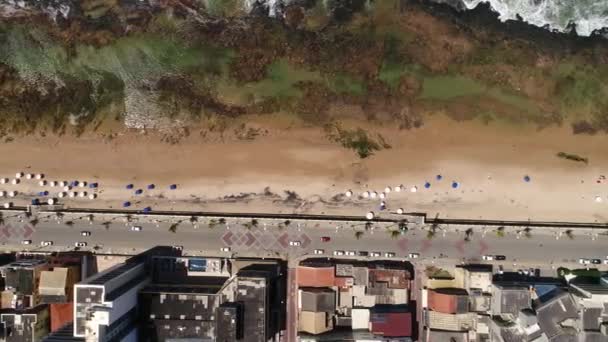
[
  {"x": 395, "y": 279},
  {"x": 53, "y": 283},
  {"x": 510, "y": 299},
  {"x": 315, "y": 276},
  {"x": 553, "y": 312},
  {"x": 391, "y": 322},
  {"x": 591, "y": 318},
  {"x": 316, "y": 299}
]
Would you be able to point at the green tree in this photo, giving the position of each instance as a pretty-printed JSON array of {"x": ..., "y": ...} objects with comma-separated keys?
[
  {"x": 106, "y": 225},
  {"x": 500, "y": 231},
  {"x": 173, "y": 228},
  {"x": 358, "y": 235},
  {"x": 69, "y": 223},
  {"x": 570, "y": 234},
  {"x": 528, "y": 232},
  {"x": 395, "y": 234}
]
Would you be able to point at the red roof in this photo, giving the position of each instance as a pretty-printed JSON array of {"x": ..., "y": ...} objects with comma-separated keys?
[
  {"x": 392, "y": 324},
  {"x": 61, "y": 314},
  {"x": 315, "y": 276},
  {"x": 395, "y": 279}
]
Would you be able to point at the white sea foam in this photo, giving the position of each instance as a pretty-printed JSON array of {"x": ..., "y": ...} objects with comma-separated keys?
[{"x": 588, "y": 15}]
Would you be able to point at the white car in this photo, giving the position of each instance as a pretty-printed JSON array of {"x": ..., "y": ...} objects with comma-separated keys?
[
  {"x": 584, "y": 261},
  {"x": 338, "y": 253},
  {"x": 26, "y": 242},
  {"x": 488, "y": 257},
  {"x": 414, "y": 255},
  {"x": 375, "y": 254},
  {"x": 85, "y": 233},
  {"x": 501, "y": 270},
  {"x": 295, "y": 243},
  {"x": 389, "y": 255},
  {"x": 46, "y": 243},
  {"x": 225, "y": 249},
  {"x": 80, "y": 244},
  {"x": 606, "y": 262},
  {"x": 136, "y": 228},
  {"x": 350, "y": 253},
  {"x": 319, "y": 251}
]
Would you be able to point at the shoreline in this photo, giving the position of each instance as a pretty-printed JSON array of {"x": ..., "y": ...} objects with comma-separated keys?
[{"x": 299, "y": 171}]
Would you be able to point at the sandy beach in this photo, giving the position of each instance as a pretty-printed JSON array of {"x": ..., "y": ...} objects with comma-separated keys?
[{"x": 489, "y": 163}]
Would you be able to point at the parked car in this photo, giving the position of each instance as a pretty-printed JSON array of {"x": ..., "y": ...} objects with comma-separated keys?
[
  {"x": 375, "y": 254},
  {"x": 136, "y": 228},
  {"x": 325, "y": 238},
  {"x": 350, "y": 253},
  {"x": 414, "y": 255},
  {"x": 338, "y": 253},
  {"x": 363, "y": 253},
  {"x": 26, "y": 242},
  {"x": 179, "y": 248},
  {"x": 85, "y": 233},
  {"x": 584, "y": 261},
  {"x": 80, "y": 244},
  {"x": 500, "y": 257},
  {"x": 319, "y": 251},
  {"x": 488, "y": 257},
  {"x": 389, "y": 255},
  {"x": 46, "y": 243},
  {"x": 501, "y": 270},
  {"x": 295, "y": 243},
  {"x": 596, "y": 261},
  {"x": 225, "y": 249}
]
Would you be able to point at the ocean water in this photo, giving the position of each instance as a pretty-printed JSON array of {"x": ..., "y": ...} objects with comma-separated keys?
[{"x": 587, "y": 15}]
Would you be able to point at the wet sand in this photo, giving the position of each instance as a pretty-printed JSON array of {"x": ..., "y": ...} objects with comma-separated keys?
[{"x": 489, "y": 163}]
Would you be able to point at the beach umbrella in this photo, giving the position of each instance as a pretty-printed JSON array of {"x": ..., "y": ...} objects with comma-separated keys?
[
  {"x": 19, "y": 174},
  {"x": 35, "y": 201},
  {"x": 151, "y": 186},
  {"x": 438, "y": 177},
  {"x": 382, "y": 205},
  {"x": 93, "y": 185},
  {"x": 382, "y": 195},
  {"x": 139, "y": 191},
  {"x": 147, "y": 210},
  {"x": 39, "y": 175},
  {"x": 4, "y": 180},
  {"x": 2, "y": 193},
  {"x": 373, "y": 194},
  {"x": 53, "y": 184},
  {"x": 51, "y": 201},
  {"x": 427, "y": 185},
  {"x": 527, "y": 178},
  {"x": 82, "y": 184},
  {"x": 16, "y": 181},
  {"x": 73, "y": 194},
  {"x": 8, "y": 205},
  {"x": 63, "y": 183},
  {"x": 348, "y": 193},
  {"x": 370, "y": 215},
  {"x": 92, "y": 196},
  {"x": 67, "y": 188},
  {"x": 398, "y": 188},
  {"x": 83, "y": 194},
  {"x": 387, "y": 189},
  {"x": 400, "y": 211},
  {"x": 126, "y": 204},
  {"x": 61, "y": 195},
  {"x": 414, "y": 189},
  {"x": 29, "y": 176},
  {"x": 173, "y": 186},
  {"x": 74, "y": 183},
  {"x": 45, "y": 193},
  {"x": 455, "y": 185},
  {"x": 129, "y": 186},
  {"x": 42, "y": 183},
  {"x": 12, "y": 193},
  {"x": 41, "y": 193},
  {"x": 598, "y": 199},
  {"x": 365, "y": 194}
]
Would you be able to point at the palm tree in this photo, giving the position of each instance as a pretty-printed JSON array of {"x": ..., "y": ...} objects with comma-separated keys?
[
  {"x": 500, "y": 231},
  {"x": 69, "y": 223},
  {"x": 107, "y": 225},
  {"x": 193, "y": 220},
  {"x": 570, "y": 234},
  {"x": 287, "y": 223},
  {"x": 34, "y": 222},
  {"x": 254, "y": 222},
  {"x": 91, "y": 218},
  {"x": 402, "y": 225},
  {"x": 1, "y": 218},
  {"x": 222, "y": 221},
  {"x": 358, "y": 234},
  {"x": 467, "y": 234},
  {"x": 430, "y": 234},
  {"x": 395, "y": 234},
  {"x": 368, "y": 225},
  {"x": 173, "y": 228},
  {"x": 59, "y": 216},
  {"x": 528, "y": 232}
]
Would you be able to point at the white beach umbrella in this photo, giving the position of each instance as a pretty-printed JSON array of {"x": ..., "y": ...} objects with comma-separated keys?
[
  {"x": 16, "y": 181},
  {"x": 4, "y": 180},
  {"x": 2, "y": 193},
  {"x": 53, "y": 184},
  {"x": 373, "y": 194},
  {"x": 29, "y": 176},
  {"x": 92, "y": 196},
  {"x": 400, "y": 211},
  {"x": 63, "y": 183},
  {"x": 67, "y": 188},
  {"x": 19, "y": 174},
  {"x": 8, "y": 205},
  {"x": 382, "y": 195},
  {"x": 349, "y": 193},
  {"x": 370, "y": 215},
  {"x": 398, "y": 188},
  {"x": 51, "y": 201},
  {"x": 83, "y": 194},
  {"x": 39, "y": 175},
  {"x": 365, "y": 194},
  {"x": 73, "y": 194},
  {"x": 598, "y": 199},
  {"x": 61, "y": 194},
  {"x": 387, "y": 189},
  {"x": 82, "y": 184},
  {"x": 42, "y": 183},
  {"x": 414, "y": 189},
  {"x": 12, "y": 193}
]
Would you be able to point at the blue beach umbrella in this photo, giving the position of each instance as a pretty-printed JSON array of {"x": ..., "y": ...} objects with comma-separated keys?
[
  {"x": 93, "y": 185},
  {"x": 527, "y": 179},
  {"x": 45, "y": 193},
  {"x": 151, "y": 186},
  {"x": 41, "y": 193},
  {"x": 455, "y": 185},
  {"x": 126, "y": 204},
  {"x": 35, "y": 201},
  {"x": 439, "y": 177},
  {"x": 173, "y": 186},
  {"x": 129, "y": 186},
  {"x": 139, "y": 191},
  {"x": 427, "y": 185},
  {"x": 147, "y": 210}
]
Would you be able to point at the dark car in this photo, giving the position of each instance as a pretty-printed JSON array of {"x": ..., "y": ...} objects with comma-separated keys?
[
  {"x": 596, "y": 261},
  {"x": 500, "y": 257},
  {"x": 325, "y": 238},
  {"x": 362, "y": 253}
]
